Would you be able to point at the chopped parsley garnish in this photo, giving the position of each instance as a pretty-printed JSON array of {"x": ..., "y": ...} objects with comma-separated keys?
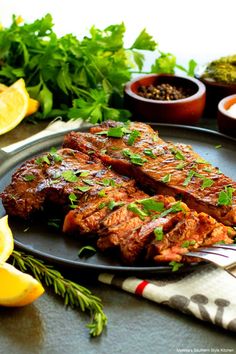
[
  {"x": 207, "y": 182},
  {"x": 88, "y": 181},
  {"x": 155, "y": 138},
  {"x": 28, "y": 178},
  {"x": 187, "y": 243},
  {"x": 152, "y": 205},
  {"x": 116, "y": 132},
  {"x": 225, "y": 196},
  {"x": 54, "y": 154},
  {"x": 149, "y": 152},
  {"x": 178, "y": 154},
  {"x": 102, "y": 205},
  {"x": 173, "y": 209},
  {"x": 43, "y": 159},
  {"x": 69, "y": 176},
  {"x": 180, "y": 166},
  {"x": 108, "y": 182},
  {"x": 134, "y": 158},
  {"x": 87, "y": 251},
  {"x": 189, "y": 177},
  {"x": 175, "y": 266},
  {"x": 218, "y": 146},
  {"x": 133, "y": 136},
  {"x": 112, "y": 204},
  {"x": 136, "y": 210},
  {"x": 72, "y": 198},
  {"x": 84, "y": 173},
  {"x": 102, "y": 193},
  {"x": 83, "y": 188},
  {"x": 158, "y": 232},
  {"x": 200, "y": 160},
  {"x": 166, "y": 178}
]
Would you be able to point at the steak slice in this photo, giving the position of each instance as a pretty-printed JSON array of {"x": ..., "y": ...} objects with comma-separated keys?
[
  {"x": 60, "y": 178},
  {"x": 161, "y": 167},
  {"x": 95, "y": 206},
  {"x": 159, "y": 236}
]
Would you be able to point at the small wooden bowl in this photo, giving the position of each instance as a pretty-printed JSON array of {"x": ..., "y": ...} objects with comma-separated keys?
[
  {"x": 182, "y": 111},
  {"x": 215, "y": 91},
  {"x": 226, "y": 122}
]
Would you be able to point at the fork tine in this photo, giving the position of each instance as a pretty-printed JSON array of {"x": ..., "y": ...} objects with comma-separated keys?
[
  {"x": 231, "y": 247},
  {"x": 215, "y": 258}
]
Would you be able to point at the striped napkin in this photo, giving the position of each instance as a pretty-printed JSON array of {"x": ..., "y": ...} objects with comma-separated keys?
[{"x": 207, "y": 293}]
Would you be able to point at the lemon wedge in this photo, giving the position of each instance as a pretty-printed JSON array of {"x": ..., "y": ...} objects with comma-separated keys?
[
  {"x": 17, "y": 288},
  {"x": 13, "y": 106},
  {"x": 33, "y": 105},
  {"x": 6, "y": 239}
]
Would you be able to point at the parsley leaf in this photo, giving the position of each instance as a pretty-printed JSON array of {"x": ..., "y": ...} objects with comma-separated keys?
[{"x": 225, "y": 196}]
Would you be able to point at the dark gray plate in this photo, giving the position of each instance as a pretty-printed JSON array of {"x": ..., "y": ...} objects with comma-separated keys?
[{"x": 38, "y": 239}]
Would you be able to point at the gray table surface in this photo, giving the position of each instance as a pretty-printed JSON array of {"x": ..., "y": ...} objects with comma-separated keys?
[{"x": 135, "y": 325}]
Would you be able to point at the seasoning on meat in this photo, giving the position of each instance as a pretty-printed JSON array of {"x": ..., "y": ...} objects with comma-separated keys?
[{"x": 162, "y": 167}]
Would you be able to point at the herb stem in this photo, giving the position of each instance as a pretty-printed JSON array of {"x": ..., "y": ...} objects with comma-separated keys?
[{"x": 74, "y": 295}]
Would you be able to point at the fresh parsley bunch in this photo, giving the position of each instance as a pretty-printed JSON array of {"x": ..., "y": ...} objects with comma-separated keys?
[{"x": 76, "y": 78}]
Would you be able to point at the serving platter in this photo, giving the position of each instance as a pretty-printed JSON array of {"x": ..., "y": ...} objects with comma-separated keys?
[{"x": 37, "y": 238}]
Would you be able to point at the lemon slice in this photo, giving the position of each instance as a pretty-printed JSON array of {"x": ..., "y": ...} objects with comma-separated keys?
[
  {"x": 6, "y": 239},
  {"x": 17, "y": 288},
  {"x": 13, "y": 106}
]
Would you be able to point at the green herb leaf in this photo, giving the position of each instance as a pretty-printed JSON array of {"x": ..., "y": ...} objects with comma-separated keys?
[
  {"x": 102, "y": 193},
  {"x": 207, "y": 182},
  {"x": 178, "y": 154},
  {"x": 180, "y": 166},
  {"x": 87, "y": 251},
  {"x": 152, "y": 205},
  {"x": 175, "y": 208},
  {"x": 189, "y": 177},
  {"x": 225, "y": 196},
  {"x": 135, "y": 134},
  {"x": 175, "y": 266},
  {"x": 218, "y": 146},
  {"x": 158, "y": 232},
  {"x": 188, "y": 243},
  {"x": 72, "y": 198},
  {"x": 29, "y": 177},
  {"x": 83, "y": 188},
  {"x": 166, "y": 178},
  {"x": 150, "y": 153},
  {"x": 69, "y": 176},
  {"x": 136, "y": 159},
  {"x": 136, "y": 210},
  {"x": 112, "y": 204}
]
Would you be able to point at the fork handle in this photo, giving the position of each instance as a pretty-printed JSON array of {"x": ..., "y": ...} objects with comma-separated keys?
[{"x": 231, "y": 269}]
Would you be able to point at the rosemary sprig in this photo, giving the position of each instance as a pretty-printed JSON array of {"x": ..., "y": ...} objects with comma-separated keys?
[{"x": 74, "y": 295}]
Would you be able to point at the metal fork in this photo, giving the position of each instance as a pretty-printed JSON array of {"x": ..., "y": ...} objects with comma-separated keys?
[{"x": 221, "y": 255}]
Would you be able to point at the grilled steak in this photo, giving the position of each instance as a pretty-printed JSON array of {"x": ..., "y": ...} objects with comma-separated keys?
[
  {"x": 95, "y": 206},
  {"x": 110, "y": 205},
  {"x": 159, "y": 229},
  {"x": 162, "y": 167},
  {"x": 60, "y": 178}
]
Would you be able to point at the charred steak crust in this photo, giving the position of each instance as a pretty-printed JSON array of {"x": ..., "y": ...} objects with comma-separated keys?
[
  {"x": 162, "y": 167},
  {"x": 52, "y": 178}
]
